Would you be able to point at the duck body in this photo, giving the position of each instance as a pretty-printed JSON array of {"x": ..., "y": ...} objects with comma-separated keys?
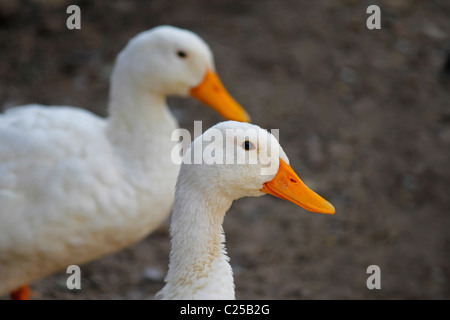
[
  {"x": 68, "y": 201},
  {"x": 74, "y": 186}
]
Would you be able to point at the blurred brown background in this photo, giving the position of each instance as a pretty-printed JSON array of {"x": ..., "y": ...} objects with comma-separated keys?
[{"x": 364, "y": 116}]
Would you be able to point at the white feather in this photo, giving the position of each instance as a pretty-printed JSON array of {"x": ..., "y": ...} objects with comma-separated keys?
[
  {"x": 199, "y": 267},
  {"x": 73, "y": 186}
]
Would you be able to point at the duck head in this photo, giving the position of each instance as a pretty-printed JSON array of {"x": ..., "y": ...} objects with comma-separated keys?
[
  {"x": 240, "y": 159},
  {"x": 170, "y": 61}
]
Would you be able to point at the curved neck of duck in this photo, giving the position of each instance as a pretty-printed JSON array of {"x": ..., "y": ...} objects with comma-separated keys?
[
  {"x": 139, "y": 127},
  {"x": 135, "y": 107},
  {"x": 199, "y": 267}
]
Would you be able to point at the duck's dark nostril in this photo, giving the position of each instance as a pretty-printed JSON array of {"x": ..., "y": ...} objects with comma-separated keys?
[{"x": 293, "y": 180}]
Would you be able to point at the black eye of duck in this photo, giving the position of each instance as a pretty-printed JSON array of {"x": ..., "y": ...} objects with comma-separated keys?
[
  {"x": 247, "y": 145},
  {"x": 181, "y": 54}
]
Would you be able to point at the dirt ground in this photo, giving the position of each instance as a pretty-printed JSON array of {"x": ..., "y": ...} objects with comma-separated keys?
[{"x": 364, "y": 116}]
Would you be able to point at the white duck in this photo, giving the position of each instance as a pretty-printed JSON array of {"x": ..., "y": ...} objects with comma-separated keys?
[
  {"x": 199, "y": 267},
  {"x": 73, "y": 186}
]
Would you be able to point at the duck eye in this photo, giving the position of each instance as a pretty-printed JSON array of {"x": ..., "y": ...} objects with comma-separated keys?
[
  {"x": 247, "y": 145},
  {"x": 181, "y": 54}
]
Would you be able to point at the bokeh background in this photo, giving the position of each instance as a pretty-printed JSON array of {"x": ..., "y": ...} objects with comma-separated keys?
[{"x": 364, "y": 116}]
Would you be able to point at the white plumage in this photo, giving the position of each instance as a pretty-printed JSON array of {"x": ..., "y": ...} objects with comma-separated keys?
[
  {"x": 73, "y": 186},
  {"x": 199, "y": 266}
]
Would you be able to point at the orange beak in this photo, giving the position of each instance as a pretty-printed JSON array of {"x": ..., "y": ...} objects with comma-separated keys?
[
  {"x": 288, "y": 186},
  {"x": 212, "y": 93}
]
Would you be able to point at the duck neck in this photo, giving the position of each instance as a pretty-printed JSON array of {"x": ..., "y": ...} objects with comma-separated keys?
[
  {"x": 199, "y": 267},
  {"x": 132, "y": 108},
  {"x": 139, "y": 128}
]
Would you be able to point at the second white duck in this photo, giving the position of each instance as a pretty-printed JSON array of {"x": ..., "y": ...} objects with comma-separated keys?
[
  {"x": 73, "y": 186},
  {"x": 199, "y": 267}
]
